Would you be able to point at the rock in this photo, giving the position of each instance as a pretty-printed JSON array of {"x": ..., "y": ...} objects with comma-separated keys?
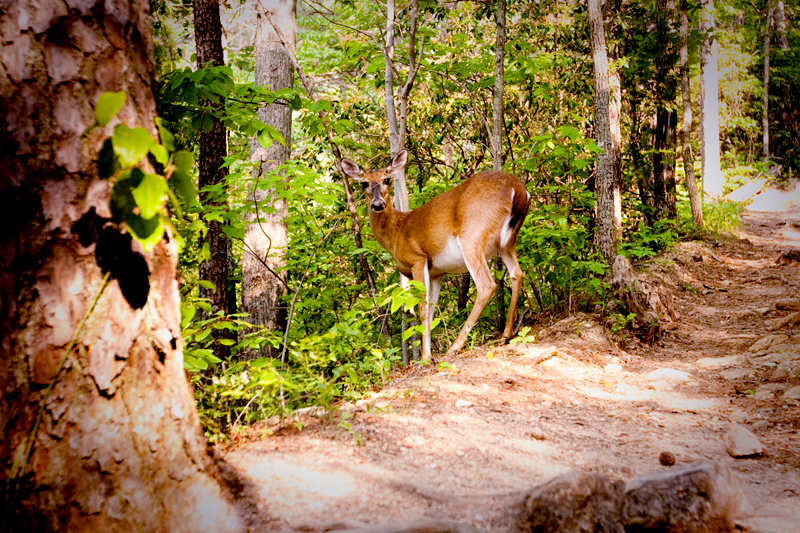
[
  {"x": 698, "y": 497},
  {"x": 662, "y": 374},
  {"x": 790, "y": 320},
  {"x": 571, "y": 503},
  {"x": 663, "y": 386},
  {"x": 764, "y": 343},
  {"x": 738, "y": 417},
  {"x": 782, "y": 352},
  {"x": 792, "y": 393},
  {"x": 537, "y": 433},
  {"x": 763, "y": 310},
  {"x": 666, "y": 458},
  {"x": 786, "y": 371},
  {"x": 695, "y": 498},
  {"x": 464, "y": 403},
  {"x": 734, "y": 374},
  {"x": 767, "y": 391},
  {"x": 741, "y": 442},
  {"x": 720, "y": 362},
  {"x": 788, "y": 304},
  {"x": 760, "y": 425},
  {"x": 613, "y": 368}
]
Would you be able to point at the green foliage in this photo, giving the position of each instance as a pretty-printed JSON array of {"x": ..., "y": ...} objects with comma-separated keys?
[
  {"x": 647, "y": 241},
  {"x": 333, "y": 349},
  {"x": 523, "y": 337},
  {"x": 138, "y": 199}
]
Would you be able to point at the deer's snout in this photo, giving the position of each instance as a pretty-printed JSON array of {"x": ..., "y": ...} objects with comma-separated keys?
[{"x": 377, "y": 203}]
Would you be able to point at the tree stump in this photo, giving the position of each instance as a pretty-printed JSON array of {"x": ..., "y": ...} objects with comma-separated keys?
[{"x": 651, "y": 304}]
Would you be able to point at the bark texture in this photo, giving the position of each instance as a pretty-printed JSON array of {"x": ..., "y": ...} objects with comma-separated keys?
[
  {"x": 686, "y": 126},
  {"x": 604, "y": 180},
  {"x": 119, "y": 446},
  {"x": 265, "y": 241},
  {"x": 709, "y": 104},
  {"x": 213, "y": 148},
  {"x": 765, "y": 110},
  {"x": 666, "y": 117}
]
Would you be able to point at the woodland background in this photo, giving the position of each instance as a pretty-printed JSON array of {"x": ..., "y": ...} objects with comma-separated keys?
[
  {"x": 147, "y": 141},
  {"x": 324, "y": 341}
]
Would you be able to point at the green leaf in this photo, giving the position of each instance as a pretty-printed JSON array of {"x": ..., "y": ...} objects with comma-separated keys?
[
  {"x": 206, "y": 284},
  {"x": 122, "y": 202},
  {"x": 181, "y": 179},
  {"x": 131, "y": 145},
  {"x": 233, "y": 232},
  {"x": 167, "y": 138},
  {"x": 107, "y": 161},
  {"x": 150, "y": 195},
  {"x": 264, "y": 138},
  {"x": 160, "y": 153},
  {"x": 148, "y": 231},
  {"x": 108, "y": 105}
]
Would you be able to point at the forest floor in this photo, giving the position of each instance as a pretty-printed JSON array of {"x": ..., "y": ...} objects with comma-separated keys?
[{"x": 452, "y": 444}]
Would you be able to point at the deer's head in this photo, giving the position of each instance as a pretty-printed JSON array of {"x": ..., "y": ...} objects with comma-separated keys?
[{"x": 377, "y": 182}]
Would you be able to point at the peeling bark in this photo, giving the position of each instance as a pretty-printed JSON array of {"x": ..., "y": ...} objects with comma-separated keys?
[{"x": 119, "y": 446}]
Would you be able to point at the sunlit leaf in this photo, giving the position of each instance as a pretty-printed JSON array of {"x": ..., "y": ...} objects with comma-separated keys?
[{"x": 108, "y": 105}]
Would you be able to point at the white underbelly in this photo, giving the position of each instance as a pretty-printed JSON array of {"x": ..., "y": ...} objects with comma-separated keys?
[{"x": 450, "y": 260}]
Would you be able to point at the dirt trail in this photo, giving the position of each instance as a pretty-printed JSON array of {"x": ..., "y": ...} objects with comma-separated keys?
[{"x": 435, "y": 444}]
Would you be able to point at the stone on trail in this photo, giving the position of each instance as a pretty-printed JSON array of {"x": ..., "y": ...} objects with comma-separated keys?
[
  {"x": 695, "y": 498},
  {"x": 786, "y": 371},
  {"x": 720, "y": 362},
  {"x": 792, "y": 393},
  {"x": 766, "y": 342},
  {"x": 665, "y": 374},
  {"x": 741, "y": 442}
]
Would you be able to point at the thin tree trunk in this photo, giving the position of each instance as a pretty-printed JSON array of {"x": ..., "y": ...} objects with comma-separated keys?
[
  {"x": 709, "y": 104},
  {"x": 117, "y": 444},
  {"x": 497, "y": 136},
  {"x": 213, "y": 148},
  {"x": 265, "y": 240},
  {"x": 615, "y": 120},
  {"x": 397, "y": 135},
  {"x": 604, "y": 170},
  {"x": 497, "y": 101},
  {"x": 765, "y": 117},
  {"x": 686, "y": 126}
]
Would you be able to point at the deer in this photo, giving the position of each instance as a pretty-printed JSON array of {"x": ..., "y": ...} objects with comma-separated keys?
[{"x": 457, "y": 231}]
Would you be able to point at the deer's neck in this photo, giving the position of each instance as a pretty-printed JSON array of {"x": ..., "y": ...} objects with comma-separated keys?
[{"x": 386, "y": 225}]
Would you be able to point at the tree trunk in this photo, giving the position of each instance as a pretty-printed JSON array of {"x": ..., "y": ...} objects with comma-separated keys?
[
  {"x": 213, "y": 148},
  {"x": 497, "y": 101},
  {"x": 397, "y": 136},
  {"x": 780, "y": 25},
  {"x": 265, "y": 240},
  {"x": 615, "y": 124},
  {"x": 709, "y": 104},
  {"x": 686, "y": 126},
  {"x": 666, "y": 118},
  {"x": 497, "y": 136},
  {"x": 118, "y": 445},
  {"x": 765, "y": 111},
  {"x": 604, "y": 169}
]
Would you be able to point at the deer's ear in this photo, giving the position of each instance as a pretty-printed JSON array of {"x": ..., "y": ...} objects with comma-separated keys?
[
  {"x": 398, "y": 162},
  {"x": 351, "y": 169}
]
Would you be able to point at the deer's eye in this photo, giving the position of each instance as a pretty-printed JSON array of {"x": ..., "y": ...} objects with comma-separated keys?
[{"x": 387, "y": 181}]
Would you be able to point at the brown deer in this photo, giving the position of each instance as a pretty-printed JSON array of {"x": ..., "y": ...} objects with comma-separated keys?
[{"x": 456, "y": 232}]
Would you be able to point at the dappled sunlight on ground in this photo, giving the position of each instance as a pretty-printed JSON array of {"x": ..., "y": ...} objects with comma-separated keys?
[{"x": 508, "y": 418}]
